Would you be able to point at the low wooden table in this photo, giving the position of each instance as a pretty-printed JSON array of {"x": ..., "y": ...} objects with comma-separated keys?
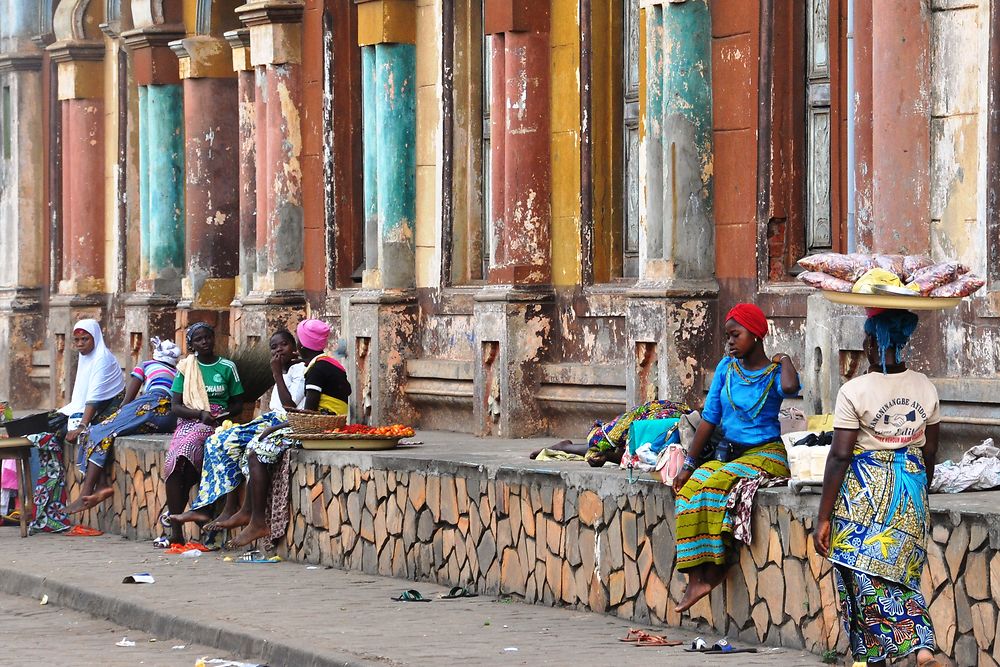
[{"x": 19, "y": 449}]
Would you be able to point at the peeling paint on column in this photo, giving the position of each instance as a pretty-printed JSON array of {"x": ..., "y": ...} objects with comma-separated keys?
[{"x": 163, "y": 134}]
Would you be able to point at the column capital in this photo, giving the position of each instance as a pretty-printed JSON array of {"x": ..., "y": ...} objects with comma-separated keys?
[
  {"x": 154, "y": 62},
  {"x": 239, "y": 42},
  {"x": 80, "y": 68},
  {"x": 203, "y": 57},
  {"x": 20, "y": 62},
  {"x": 515, "y": 16},
  {"x": 275, "y": 31},
  {"x": 386, "y": 22}
]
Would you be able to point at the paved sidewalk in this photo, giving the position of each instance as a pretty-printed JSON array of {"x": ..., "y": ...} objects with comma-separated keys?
[
  {"x": 27, "y": 630},
  {"x": 294, "y": 614}
]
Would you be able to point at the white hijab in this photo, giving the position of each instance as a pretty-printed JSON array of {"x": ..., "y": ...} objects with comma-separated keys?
[{"x": 98, "y": 375}]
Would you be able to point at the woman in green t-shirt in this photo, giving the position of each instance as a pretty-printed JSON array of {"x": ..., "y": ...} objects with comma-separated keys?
[{"x": 206, "y": 389}]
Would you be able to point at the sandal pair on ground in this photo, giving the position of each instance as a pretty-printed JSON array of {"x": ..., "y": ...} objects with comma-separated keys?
[
  {"x": 643, "y": 638},
  {"x": 414, "y": 595}
]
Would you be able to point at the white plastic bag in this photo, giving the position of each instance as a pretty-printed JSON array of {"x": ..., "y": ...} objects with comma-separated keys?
[{"x": 978, "y": 470}]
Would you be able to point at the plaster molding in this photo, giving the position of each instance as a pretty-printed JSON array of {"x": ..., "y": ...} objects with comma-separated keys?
[
  {"x": 78, "y": 20},
  {"x": 267, "y": 12},
  {"x": 73, "y": 51},
  {"x": 156, "y": 13},
  {"x": 15, "y": 62}
]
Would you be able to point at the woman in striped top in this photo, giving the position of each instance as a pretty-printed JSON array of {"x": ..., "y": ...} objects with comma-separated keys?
[{"x": 145, "y": 409}]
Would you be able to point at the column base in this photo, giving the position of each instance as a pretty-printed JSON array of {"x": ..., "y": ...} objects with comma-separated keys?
[
  {"x": 148, "y": 315},
  {"x": 383, "y": 334},
  {"x": 64, "y": 311},
  {"x": 254, "y": 317},
  {"x": 24, "y": 371},
  {"x": 188, "y": 313},
  {"x": 512, "y": 326},
  {"x": 668, "y": 334}
]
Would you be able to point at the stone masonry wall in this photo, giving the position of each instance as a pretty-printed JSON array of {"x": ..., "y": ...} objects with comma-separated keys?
[{"x": 583, "y": 539}]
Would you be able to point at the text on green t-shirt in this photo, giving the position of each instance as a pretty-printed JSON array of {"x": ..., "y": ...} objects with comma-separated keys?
[{"x": 222, "y": 382}]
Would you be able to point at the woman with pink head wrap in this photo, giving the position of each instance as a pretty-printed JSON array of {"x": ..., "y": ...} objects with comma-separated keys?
[{"x": 327, "y": 390}]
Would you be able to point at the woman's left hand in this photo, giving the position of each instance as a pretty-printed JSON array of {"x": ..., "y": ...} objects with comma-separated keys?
[
  {"x": 72, "y": 435},
  {"x": 821, "y": 537}
]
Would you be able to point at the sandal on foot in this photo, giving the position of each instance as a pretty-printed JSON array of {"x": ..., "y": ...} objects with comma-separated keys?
[
  {"x": 411, "y": 595},
  {"x": 458, "y": 592}
]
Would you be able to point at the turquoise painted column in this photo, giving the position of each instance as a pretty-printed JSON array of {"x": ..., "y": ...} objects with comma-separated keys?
[
  {"x": 163, "y": 137},
  {"x": 679, "y": 225},
  {"x": 396, "y": 163},
  {"x": 143, "y": 187},
  {"x": 370, "y": 141}
]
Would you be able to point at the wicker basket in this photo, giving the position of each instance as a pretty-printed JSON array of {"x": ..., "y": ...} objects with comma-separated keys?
[{"x": 303, "y": 421}]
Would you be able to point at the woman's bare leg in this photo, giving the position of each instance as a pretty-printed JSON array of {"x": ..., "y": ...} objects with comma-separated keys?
[
  {"x": 90, "y": 480},
  {"x": 258, "y": 489},
  {"x": 235, "y": 514},
  {"x": 701, "y": 581}
]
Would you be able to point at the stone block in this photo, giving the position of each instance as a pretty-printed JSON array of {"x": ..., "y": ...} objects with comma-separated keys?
[
  {"x": 774, "y": 550},
  {"x": 381, "y": 532},
  {"x": 772, "y": 589},
  {"x": 385, "y": 561},
  {"x": 797, "y": 539},
  {"x": 547, "y": 499},
  {"x": 381, "y": 484},
  {"x": 572, "y": 542},
  {"x": 558, "y": 502},
  {"x": 813, "y": 635},
  {"x": 616, "y": 588},
  {"x": 527, "y": 516},
  {"x": 514, "y": 514},
  {"x": 936, "y": 567},
  {"x": 939, "y": 533},
  {"x": 977, "y": 535},
  {"x": 632, "y": 582},
  {"x": 504, "y": 536},
  {"x": 966, "y": 650},
  {"x": 761, "y": 537},
  {"x": 831, "y": 608},
  {"x": 984, "y": 624},
  {"x": 447, "y": 542},
  {"x": 475, "y": 526},
  {"x": 570, "y": 499},
  {"x": 553, "y": 575},
  {"x": 434, "y": 496},
  {"x": 644, "y": 563},
  {"x": 425, "y": 526},
  {"x": 399, "y": 568},
  {"x": 749, "y": 569},
  {"x": 319, "y": 511},
  {"x": 657, "y": 597},
  {"x": 367, "y": 531},
  {"x": 449, "y": 501},
  {"x": 662, "y": 542},
  {"x": 597, "y": 598},
  {"x": 963, "y": 611},
  {"x": 541, "y": 530},
  {"x": 512, "y": 577},
  {"x": 796, "y": 594},
  {"x": 581, "y": 583},
  {"x": 761, "y": 620},
  {"x": 462, "y": 492},
  {"x": 588, "y": 556},
  {"x": 486, "y": 551},
  {"x": 957, "y": 548},
  {"x": 630, "y": 537},
  {"x": 943, "y": 616},
  {"x": 393, "y": 518},
  {"x": 409, "y": 532},
  {"x": 553, "y": 536},
  {"x": 463, "y": 525},
  {"x": 986, "y": 660},
  {"x": 417, "y": 490},
  {"x": 737, "y": 598},
  {"x": 354, "y": 510},
  {"x": 591, "y": 508}
]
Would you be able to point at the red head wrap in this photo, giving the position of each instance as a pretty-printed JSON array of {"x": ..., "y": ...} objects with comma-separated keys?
[{"x": 750, "y": 317}]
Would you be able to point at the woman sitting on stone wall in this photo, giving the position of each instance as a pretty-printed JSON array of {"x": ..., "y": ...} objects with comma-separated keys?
[
  {"x": 207, "y": 389},
  {"x": 149, "y": 413},
  {"x": 744, "y": 400},
  {"x": 221, "y": 474},
  {"x": 873, "y": 516},
  {"x": 97, "y": 391},
  {"x": 327, "y": 390}
]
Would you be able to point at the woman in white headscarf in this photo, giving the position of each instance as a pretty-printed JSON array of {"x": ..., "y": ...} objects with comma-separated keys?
[
  {"x": 97, "y": 391},
  {"x": 146, "y": 409}
]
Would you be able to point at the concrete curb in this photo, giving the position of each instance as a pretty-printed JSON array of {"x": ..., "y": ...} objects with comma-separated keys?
[{"x": 165, "y": 624}]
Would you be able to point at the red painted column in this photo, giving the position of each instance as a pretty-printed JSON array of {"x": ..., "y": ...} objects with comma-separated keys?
[
  {"x": 522, "y": 188},
  {"x": 83, "y": 195},
  {"x": 239, "y": 40},
  {"x": 901, "y": 126}
]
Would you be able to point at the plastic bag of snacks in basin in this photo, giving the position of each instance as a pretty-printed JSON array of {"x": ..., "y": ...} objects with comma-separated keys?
[{"x": 837, "y": 272}]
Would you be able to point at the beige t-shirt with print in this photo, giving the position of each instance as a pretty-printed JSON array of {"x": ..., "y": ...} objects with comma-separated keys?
[{"x": 891, "y": 411}]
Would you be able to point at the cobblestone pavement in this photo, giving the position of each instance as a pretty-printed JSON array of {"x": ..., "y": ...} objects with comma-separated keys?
[
  {"x": 295, "y": 614},
  {"x": 32, "y": 634}
]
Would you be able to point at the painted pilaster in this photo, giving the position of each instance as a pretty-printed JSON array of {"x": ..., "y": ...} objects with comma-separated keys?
[
  {"x": 515, "y": 314},
  {"x": 211, "y": 192},
  {"x": 383, "y": 317},
  {"x": 239, "y": 41},
  {"x": 670, "y": 313},
  {"x": 277, "y": 297},
  {"x": 901, "y": 126},
  {"x": 23, "y": 252},
  {"x": 151, "y": 309}
]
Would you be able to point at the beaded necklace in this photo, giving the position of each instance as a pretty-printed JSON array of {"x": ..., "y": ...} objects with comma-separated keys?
[{"x": 754, "y": 410}]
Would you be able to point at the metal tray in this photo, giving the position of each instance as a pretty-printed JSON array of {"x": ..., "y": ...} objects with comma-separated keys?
[{"x": 892, "y": 301}]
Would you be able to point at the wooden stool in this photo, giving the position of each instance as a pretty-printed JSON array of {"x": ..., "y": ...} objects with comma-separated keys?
[{"x": 19, "y": 449}]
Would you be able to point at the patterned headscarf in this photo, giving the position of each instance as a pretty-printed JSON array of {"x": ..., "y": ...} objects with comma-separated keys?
[
  {"x": 195, "y": 328},
  {"x": 165, "y": 351}
]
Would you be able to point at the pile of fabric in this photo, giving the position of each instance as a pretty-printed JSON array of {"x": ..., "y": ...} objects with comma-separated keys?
[
  {"x": 859, "y": 273},
  {"x": 608, "y": 441},
  {"x": 979, "y": 470}
]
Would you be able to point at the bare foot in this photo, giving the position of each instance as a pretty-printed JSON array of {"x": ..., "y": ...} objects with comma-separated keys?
[
  {"x": 237, "y": 520},
  {"x": 695, "y": 591},
  {"x": 249, "y": 534},
  {"x": 76, "y": 506},
  {"x": 99, "y": 496},
  {"x": 925, "y": 658},
  {"x": 187, "y": 517}
]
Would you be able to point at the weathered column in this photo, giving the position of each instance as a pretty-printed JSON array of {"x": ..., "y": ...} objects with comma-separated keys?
[
  {"x": 211, "y": 192},
  {"x": 277, "y": 298},
  {"x": 239, "y": 41},
  {"x": 669, "y": 315},
  {"x": 383, "y": 316},
  {"x": 515, "y": 314},
  {"x": 520, "y": 144},
  {"x": 901, "y": 89},
  {"x": 78, "y": 52},
  {"x": 23, "y": 219},
  {"x": 151, "y": 310}
]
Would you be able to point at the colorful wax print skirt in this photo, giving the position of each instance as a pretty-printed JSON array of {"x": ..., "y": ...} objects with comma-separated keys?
[
  {"x": 704, "y": 525},
  {"x": 188, "y": 442},
  {"x": 149, "y": 413},
  {"x": 220, "y": 470},
  {"x": 609, "y": 439},
  {"x": 878, "y": 545},
  {"x": 50, "y": 486},
  {"x": 269, "y": 449}
]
